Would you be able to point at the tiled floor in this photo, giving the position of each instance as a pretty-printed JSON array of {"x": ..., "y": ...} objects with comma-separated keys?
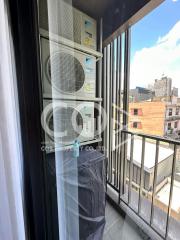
[{"x": 119, "y": 228}]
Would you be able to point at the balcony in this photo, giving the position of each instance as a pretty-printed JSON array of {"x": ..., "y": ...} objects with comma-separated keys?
[
  {"x": 173, "y": 134},
  {"x": 172, "y": 117},
  {"x": 143, "y": 181},
  {"x": 118, "y": 225}
]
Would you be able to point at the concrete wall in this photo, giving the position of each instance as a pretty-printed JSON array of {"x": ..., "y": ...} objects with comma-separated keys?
[
  {"x": 163, "y": 171},
  {"x": 136, "y": 177}
]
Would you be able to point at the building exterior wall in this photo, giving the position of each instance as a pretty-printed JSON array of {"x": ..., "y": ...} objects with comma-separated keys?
[
  {"x": 163, "y": 171},
  {"x": 136, "y": 176},
  {"x": 163, "y": 87},
  {"x": 151, "y": 118},
  {"x": 172, "y": 121},
  {"x": 175, "y": 92}
]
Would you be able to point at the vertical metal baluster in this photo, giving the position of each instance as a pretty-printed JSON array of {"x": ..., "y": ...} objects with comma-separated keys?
[
  {"x": 108, "y": 107},
  {"x": 116, "y": 114},
  {"x": 113, "y": 110},
  {"x": 141, "y": 174},
  {"x": 110, "y": 113},
  {"x": 119, "y": 106},
  {"x": 100, "y": 79},
  {"x": 131, "y": 168},
  {"x": 125, "y": 146},
  {"x": 126, "y": 99},
  {"x": 121, "y": 165},
  {"x": 104, "y": 83},
  {"x": 104, "y": 97},
  {"x": 154, "y": 181},
  {"x": 171, "y": 190}
]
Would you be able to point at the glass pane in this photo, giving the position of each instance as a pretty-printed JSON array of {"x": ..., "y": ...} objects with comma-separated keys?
[
  {"x": 154, "y": 73},
  {"x": 75, "y": 169},
  {"x": 154, "y": 111},
  {"x": 73, "y": 82}
]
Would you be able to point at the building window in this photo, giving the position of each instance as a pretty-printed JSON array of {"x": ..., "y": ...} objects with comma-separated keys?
[
  {"x": 177, "y": 111},
  {"x": 169, "y": 126},
  {"x": 137, "y": 125},
  {"x": 175, "y": 124},
  {"x": 170, "y": 111},
  {"x": 135, "y": 111}
]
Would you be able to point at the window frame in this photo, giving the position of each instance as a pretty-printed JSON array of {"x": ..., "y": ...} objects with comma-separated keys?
[
  {"x": 176, "y": 124},
  {"x": 135, "y": 111},
  {"x": 134, "y": 124},
  {"x": 170, "y": 112},
  {"x": 177, "y": 111},
  {"x": 169, "y": 126}
]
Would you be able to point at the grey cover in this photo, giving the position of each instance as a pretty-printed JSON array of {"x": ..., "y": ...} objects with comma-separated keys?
[{"x": 90, "y": 169}]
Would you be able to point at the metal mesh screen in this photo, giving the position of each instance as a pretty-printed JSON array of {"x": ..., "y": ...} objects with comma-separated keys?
[
  {"x": 68, "y": 74},
  {"x": 63, "y": 121}
]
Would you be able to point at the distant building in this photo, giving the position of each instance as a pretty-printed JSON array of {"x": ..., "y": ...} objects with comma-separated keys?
[
  {"x": 155, "y": 118},
  {"x": 151, "y": 87},
  {"x": 168, "y": 99},
  {"x": 164, "y": 163},
  {"x": 175, "y": 92},
  {"x": 163, "y": 179},
  {"x": 163, "y": 87},
  {"x": 140, "y": 94}
]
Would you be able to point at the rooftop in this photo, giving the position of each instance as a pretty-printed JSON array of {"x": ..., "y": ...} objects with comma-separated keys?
[
  {"x": 150, "y": 150},
  {"x": 163, "y": 195}
]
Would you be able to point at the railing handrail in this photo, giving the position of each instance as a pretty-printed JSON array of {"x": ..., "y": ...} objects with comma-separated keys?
[{"x": 153, "y": 137}]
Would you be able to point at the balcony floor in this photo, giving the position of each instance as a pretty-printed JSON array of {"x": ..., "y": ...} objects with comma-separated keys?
[{"x": 117, "y": 227}]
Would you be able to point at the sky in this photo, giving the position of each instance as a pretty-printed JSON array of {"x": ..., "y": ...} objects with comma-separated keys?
[{"x": 155, "y": 46}]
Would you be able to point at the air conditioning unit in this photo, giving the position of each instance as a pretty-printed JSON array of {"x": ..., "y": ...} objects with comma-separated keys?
[
  {"x": 67, "y": 72},
  {"x": 68, "y": 22},
  {"x": 67, "y": 121}
]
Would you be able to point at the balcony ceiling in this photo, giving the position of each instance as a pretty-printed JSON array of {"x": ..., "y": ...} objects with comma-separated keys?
[
  {"x": 115, "y": 13},
  {"x": 94, "y": 8}
]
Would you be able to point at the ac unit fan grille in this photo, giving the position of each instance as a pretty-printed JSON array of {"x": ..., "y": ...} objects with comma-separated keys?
[
  {"x": 65, "y": 72},
  {"x": 63, "y": 119}
]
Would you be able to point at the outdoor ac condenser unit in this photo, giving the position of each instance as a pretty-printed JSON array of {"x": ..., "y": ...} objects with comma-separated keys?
[
  {"x": 67, "y": 72},
  {"x": 68, "y": 22},
  {"x": 67, "y": 121}
]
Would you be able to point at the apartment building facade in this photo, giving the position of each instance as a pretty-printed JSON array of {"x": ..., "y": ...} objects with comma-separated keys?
[
  {"x": 155, "y": 118},
  {"x": 140, "y": 94},
  {"x": 163, "y": 87}
]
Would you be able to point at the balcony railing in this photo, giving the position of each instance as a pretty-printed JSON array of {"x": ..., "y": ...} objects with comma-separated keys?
[
  {"x": 142, "y": 169},
  {"x": 173, "y": 117},
  {"x": 143, "y": 172}
]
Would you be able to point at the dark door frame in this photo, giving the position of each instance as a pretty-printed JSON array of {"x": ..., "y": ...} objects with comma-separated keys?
[{"x": 24, "y": 28}]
